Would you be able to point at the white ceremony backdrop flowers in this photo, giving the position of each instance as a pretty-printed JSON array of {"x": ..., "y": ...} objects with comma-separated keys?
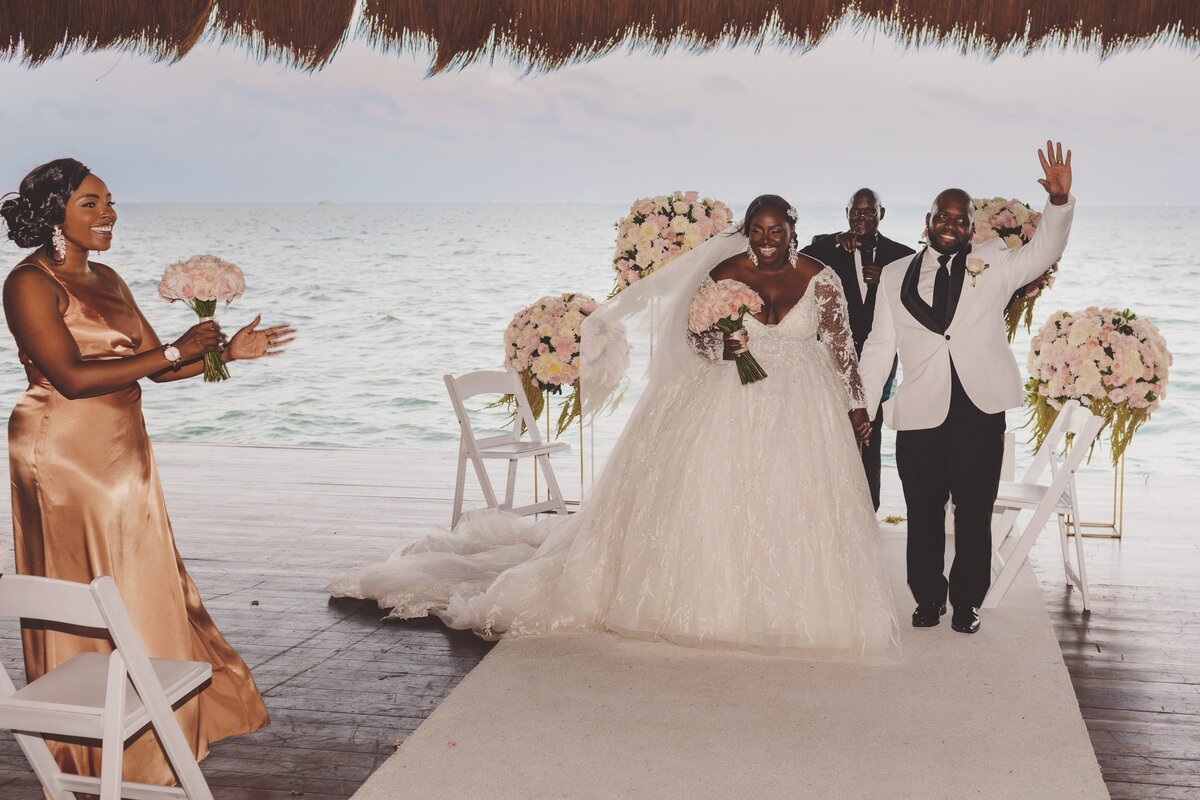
[
  {"x": 1114, "y": 362},
  {"x": 660, "y": 228}
]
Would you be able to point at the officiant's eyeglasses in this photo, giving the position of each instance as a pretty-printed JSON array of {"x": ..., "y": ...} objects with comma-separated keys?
[{"x": 861, "y": 213}]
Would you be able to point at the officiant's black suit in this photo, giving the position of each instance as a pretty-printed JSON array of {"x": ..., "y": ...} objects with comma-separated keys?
[{"x": 826, "y": 249}]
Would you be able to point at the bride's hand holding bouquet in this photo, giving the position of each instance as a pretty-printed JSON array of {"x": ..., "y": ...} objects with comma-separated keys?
[{"x": 723, "y": 305}]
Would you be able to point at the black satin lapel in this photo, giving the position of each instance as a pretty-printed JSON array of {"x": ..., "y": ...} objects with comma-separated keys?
[
  {"x": 921, "y": 312},
  {"x": 958, "y": 273}
]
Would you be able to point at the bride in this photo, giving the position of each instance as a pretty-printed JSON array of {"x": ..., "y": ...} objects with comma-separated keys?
[{"x": 729, "y": 516}]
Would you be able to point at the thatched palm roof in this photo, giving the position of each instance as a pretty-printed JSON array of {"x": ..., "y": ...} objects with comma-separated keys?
[{"x": 546, "y": 34}]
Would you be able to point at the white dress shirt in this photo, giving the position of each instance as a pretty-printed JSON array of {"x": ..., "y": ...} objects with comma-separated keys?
[{"x": 858, "y": 272}]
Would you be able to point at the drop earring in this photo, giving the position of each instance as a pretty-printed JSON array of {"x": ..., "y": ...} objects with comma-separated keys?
[
  {"x": 59, "y": 243},
  {"x": 752, "y": 255},
  {"x": 793, "y": 254}
]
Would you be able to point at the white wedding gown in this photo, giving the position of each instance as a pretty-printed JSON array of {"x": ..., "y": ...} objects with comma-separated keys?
[{"x": 729, "y": 516}]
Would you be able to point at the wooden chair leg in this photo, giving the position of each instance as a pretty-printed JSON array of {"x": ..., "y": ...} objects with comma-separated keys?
[
  {"x": 1066, "y": 548},
  {"x": 489, "y": 494},
  {"x": 1083, "y": 582},
  {"x": 1016, "y": 558},
  {"x": 44, "y": 765},
  {"x": 510, "y": 488},
  {"x": 113, "y": 744},
  {"x": 552, "y": 484},
  {"x": 460, "y": 486}
]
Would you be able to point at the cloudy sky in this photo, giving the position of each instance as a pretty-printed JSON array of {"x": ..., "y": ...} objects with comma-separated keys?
[{"x": 219, "y": 127}]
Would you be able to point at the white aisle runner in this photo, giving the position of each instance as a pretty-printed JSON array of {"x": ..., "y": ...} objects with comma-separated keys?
[{"x": 576, "y": 716}]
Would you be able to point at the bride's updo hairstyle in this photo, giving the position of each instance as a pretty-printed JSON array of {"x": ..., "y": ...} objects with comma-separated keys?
[
  {"x": 41, "y": 202},
  {"x": 772, "y": 202}
]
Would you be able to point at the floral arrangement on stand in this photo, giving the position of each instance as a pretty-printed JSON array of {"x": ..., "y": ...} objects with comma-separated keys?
[
  {"x": 1015, "y": 223},
  {"x": 658, "y": 229},
  {"x": 200, "y": 282},
  {"x": 1114, "y": 362},
  {"x": 542, "y": 344}
]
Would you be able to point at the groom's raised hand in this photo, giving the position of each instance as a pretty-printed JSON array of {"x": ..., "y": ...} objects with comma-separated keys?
[{"x": 1057, "y": 182}]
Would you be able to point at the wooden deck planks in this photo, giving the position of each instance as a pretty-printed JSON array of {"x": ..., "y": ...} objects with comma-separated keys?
[{"x": 263, "y": 529}]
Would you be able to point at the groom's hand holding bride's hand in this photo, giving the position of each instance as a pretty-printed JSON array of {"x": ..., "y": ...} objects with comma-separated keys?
[
  {"x": 1057, "y": 182},
  {"x": 862, "y": 425}
]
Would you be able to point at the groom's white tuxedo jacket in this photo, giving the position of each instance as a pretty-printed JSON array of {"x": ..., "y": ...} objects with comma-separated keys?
[{"x": 975, "y": 337}]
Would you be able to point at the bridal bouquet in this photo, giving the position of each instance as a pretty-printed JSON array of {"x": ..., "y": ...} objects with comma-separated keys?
[
  {"x": 660, "y": 228},
  {"x": 200, "y": 282},
  {"x": 723, "y": 305},
  {"x": 542, "y": 344},
  {"x": 1015, "y": 223},
  {"x": 1114, "y": 362}
]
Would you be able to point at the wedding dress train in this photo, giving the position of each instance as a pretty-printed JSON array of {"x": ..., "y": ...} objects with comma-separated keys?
[{"x": 728, "y": 516}]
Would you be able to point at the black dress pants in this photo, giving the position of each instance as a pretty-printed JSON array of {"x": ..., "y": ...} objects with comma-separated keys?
[
  {"x": 872, "y": 464},
  {"x": 961, "y": 458}
]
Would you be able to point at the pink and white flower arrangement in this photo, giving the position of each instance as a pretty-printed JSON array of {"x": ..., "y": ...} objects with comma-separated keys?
[
  {"x": 1014, "y": 222},
  {"x": 542, "y": 344},
  {"x": 201, "y": 282},
  {"x": 1114, "y": 362},
  {"x": 723, "y": 305},
  {"x": 658, "y": 229}
]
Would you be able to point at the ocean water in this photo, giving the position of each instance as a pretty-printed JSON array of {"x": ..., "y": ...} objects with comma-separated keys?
[{"x": 389, "y": 298}]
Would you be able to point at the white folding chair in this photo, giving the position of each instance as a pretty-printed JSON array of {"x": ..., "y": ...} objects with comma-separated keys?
[
  {"x": 1059, "y": 497},
  {"x": 510, "y": 446},
  {"x": 89, "y": 696}
]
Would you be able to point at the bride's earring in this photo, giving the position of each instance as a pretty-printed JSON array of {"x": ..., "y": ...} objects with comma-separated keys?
[
  {"x": 753, "y": 256},
  {"x": 793, "y": 254},
  {"x": 59, "y": 243}
]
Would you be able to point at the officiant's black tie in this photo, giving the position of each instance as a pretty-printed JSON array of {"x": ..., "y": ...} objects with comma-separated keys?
[{"x": 941, "y": 290}]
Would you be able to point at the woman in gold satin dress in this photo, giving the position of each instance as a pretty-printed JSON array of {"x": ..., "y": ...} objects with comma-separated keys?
[{"x": 86, "y": 497}]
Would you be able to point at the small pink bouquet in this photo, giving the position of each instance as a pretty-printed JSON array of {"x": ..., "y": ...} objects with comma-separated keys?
[
  {"x": 200, "y": 282},
  {"x": 723, "y": 305}
]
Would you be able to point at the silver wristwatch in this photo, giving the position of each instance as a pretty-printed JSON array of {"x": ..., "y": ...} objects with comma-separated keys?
[{"x": 172, "y": 354}]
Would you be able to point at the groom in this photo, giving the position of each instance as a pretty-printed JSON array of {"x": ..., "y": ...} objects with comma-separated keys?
[{"x": 943, "y": 310}]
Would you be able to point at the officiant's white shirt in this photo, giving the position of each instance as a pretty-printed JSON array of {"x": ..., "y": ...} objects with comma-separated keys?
[{"x": 976, "y": 339}]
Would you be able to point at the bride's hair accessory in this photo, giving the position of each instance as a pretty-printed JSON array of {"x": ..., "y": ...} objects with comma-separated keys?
[
  {"x": 753, "y": 255},
  {"x": 59, "y": 243},
  {"x": 793, "y": 213}
]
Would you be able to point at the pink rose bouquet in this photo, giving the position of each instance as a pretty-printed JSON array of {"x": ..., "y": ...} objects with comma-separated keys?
[
  {"x": 1114, "y": 362},
  {"x": 200, "y": 282},
  {"x": 723, "y": 305},
  {"x": 542, "y": 344},
  {"x": 1015, "y": 223},
  {"x": 658, "y": 229}
]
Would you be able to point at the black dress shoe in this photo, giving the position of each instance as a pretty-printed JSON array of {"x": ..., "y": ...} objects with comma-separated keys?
[
  {"x": 965, "y": 619},
  {"x": 928, "y": 614}
]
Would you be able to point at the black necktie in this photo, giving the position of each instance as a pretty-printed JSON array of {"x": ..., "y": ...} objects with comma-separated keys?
[{"x": 941, "y": 290}]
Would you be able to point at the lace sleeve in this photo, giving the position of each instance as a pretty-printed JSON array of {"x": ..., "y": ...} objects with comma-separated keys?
[
  {"x": 834, "y": 326},
  {"x": 710, "y": 344}
]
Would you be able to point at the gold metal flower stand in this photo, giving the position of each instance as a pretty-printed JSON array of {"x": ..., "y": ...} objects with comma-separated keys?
[{"x": 1112, "y": 527}]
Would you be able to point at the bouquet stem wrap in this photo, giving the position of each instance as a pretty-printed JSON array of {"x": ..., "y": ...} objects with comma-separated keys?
[
  {"x": 749, "y": 370},
  {"x": 214, "y": 367}
]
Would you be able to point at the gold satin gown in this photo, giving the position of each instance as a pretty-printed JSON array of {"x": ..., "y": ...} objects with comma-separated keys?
[{"x": 86, "y": 502}]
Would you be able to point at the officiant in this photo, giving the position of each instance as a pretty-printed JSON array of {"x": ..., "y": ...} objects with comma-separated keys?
[{"x": 858, "y": 256}]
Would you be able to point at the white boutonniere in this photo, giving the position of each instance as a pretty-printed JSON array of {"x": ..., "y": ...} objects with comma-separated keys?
[{"x": 975, "y": 268}]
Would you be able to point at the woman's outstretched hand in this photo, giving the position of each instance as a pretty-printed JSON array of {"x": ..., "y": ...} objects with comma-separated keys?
[
  {"x": 252, "y": 342},
  {"x": 862, "y": 425}
]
